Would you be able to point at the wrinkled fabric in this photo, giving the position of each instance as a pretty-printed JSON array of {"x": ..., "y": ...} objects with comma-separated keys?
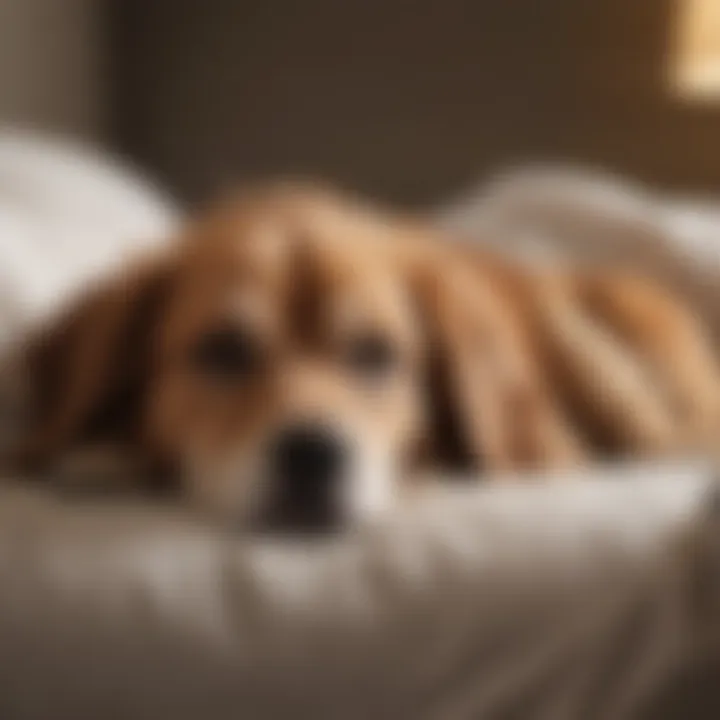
[
  {"x": 554, "y": 600},
  {"x": 558, "y": 215}
]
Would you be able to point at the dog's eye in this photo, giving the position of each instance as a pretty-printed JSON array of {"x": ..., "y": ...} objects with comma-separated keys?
[
  {"x": 372, "y": 355},
  {"x": 227, "y": 353}
]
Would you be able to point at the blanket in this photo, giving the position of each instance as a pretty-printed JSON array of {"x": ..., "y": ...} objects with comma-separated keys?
[{"x": 576, "y": 599}]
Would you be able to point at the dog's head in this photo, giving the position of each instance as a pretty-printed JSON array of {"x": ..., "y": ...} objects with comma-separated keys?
[{"x": 289, "y": 361}]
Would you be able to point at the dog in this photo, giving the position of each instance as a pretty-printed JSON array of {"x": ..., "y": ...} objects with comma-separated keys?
[{"x": 300, "y": 359}]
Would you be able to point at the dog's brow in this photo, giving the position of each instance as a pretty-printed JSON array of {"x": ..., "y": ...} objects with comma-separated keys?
[
  {"x": 267, "y": 241},
  {"x": 307, "y": 296}
]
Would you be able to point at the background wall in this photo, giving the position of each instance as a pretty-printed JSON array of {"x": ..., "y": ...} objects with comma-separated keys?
[
  {"x": 408, "y": 99},
  {"x": 630, "y": 118},
  {"x": 52, "y": 67},
  {"x": 411, "y": 100}
]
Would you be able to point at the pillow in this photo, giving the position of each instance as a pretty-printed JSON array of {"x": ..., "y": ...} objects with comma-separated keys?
[{"x": 67, "y": 214}]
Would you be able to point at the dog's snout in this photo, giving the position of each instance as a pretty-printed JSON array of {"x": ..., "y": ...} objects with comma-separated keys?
[
  {"x": 308, "y": 454},
  {"x": 308, "y": 464}
]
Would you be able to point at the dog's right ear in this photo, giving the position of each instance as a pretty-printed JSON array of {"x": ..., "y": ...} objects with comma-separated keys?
[
  {"x": 85, "y": 371},
  {"x": 487, "y": 405}
]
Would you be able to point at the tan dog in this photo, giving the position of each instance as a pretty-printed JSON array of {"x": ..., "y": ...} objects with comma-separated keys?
[{"x": 297, "y": 359}]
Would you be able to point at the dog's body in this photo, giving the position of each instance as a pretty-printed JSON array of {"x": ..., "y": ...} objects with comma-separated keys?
[{"x": 298, "y": 359}]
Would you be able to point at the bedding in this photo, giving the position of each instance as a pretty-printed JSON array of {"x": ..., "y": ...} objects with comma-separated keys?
[
  {"x": 570, "y": 597},
  {"x": 553, "y": 600},
  {"x": 67, "y": 214}
]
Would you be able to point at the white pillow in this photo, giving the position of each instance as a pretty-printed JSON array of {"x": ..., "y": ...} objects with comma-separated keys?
[{"x": 67, "y": 213}]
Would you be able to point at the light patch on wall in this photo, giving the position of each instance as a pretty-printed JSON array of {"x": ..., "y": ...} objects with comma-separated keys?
[{"x": 695, "y": 67}]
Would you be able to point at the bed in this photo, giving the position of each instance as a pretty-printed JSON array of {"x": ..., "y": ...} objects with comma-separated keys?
[{"x": 578, "y": 597}]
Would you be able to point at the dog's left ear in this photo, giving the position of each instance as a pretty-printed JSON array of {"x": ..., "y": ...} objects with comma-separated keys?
[
  {"x": 487, "y": 403},
  {"x": 85, "y": 372}
]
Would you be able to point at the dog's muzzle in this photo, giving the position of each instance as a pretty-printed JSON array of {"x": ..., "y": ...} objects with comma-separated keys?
[{"x": 308, "y": 467}]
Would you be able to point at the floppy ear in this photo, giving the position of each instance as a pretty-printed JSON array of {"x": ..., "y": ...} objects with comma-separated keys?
[
  {"x": 488, "y": 404},
  {"x": 86, "y": 370}
]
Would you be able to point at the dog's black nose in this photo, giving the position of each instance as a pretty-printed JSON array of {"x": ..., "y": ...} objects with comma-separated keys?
[
  {"x": 308, "y": 463},
  {"x": 309, "y": 454}
]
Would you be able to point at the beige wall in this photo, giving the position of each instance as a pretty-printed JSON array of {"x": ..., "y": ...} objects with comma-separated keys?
[
  {"x": 407, "y": 100},
  {"x": 410, "y": 100},
  {"x": 51, "y": 65}
]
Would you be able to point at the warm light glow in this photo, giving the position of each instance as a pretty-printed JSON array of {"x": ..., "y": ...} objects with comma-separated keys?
[{"x": 696, "y": 64}]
